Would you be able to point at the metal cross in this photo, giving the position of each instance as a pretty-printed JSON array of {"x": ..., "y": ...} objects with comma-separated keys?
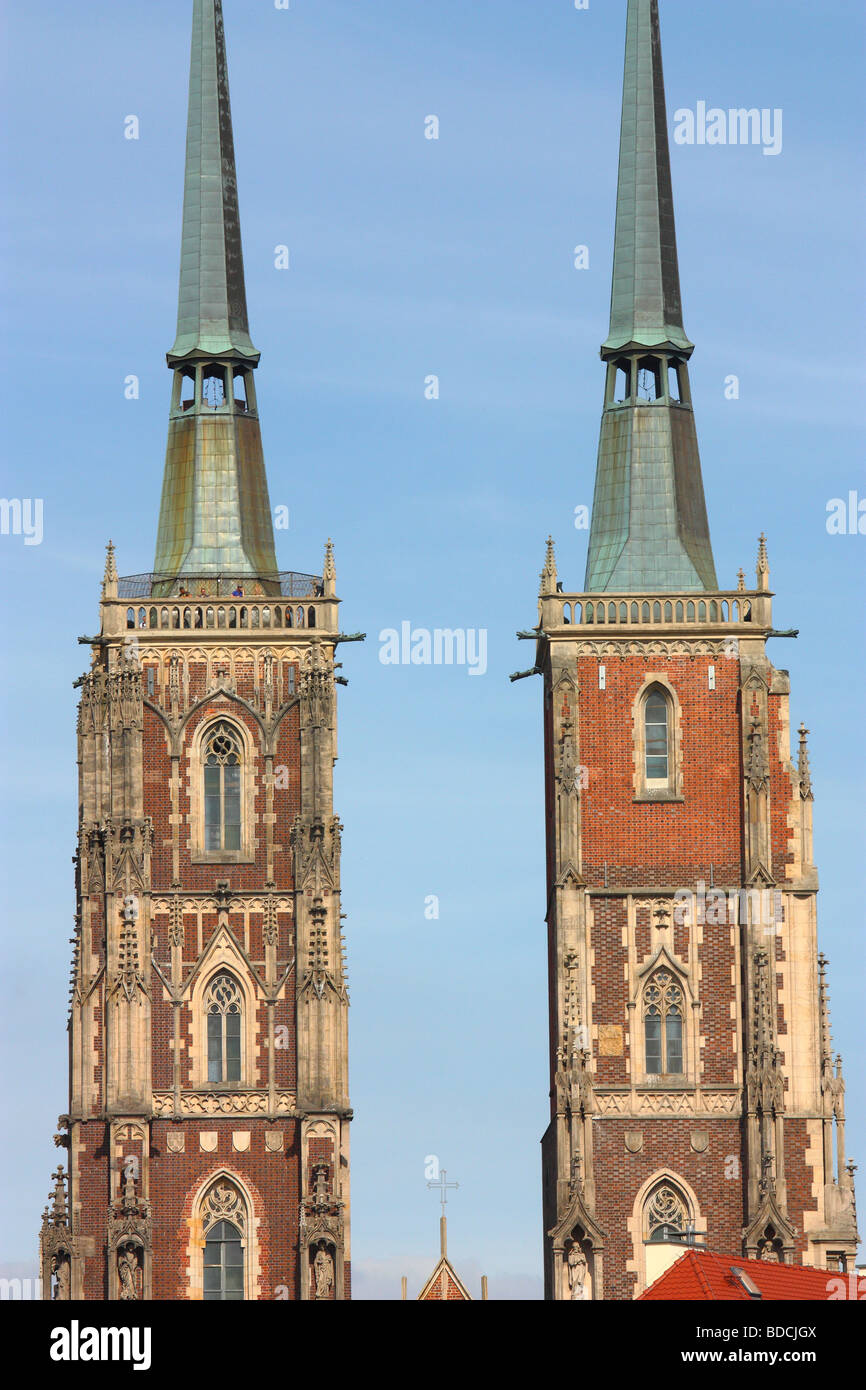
[{"x": 443, "y": 1188}]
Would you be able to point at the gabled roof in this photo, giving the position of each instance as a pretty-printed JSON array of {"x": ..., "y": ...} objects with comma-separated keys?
[
  {"x": 705, "y": 1276},
  {"x": 444, "y": 1285}
]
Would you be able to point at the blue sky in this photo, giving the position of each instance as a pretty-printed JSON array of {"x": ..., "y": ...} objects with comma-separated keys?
[{"x": 412, "y": 257}]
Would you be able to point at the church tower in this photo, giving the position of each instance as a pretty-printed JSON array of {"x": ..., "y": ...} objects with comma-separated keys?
[
  {"x": 207, "y": 1131},
  {"x": 694, "y": 1093}
]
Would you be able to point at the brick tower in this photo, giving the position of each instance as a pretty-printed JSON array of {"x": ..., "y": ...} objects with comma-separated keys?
[
  {"x": 694, "y": 1095},
  {"x": 207, "y": 1132}
]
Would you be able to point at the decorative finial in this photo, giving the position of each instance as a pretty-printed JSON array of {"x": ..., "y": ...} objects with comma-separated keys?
[
  {"x": 109, "y": 579},
  {"x": 763, "y": 566},
  {"x": 329, "y": 574},
  {"x": 58, "y": 1202},
  {"x": 548, "y": 574},
  {"x": 824, "y": 1009},
  {"x": 803, "y": 764},
  {"x": 741, "y": 582}
]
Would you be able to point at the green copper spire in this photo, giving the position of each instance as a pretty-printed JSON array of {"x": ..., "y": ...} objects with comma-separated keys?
[
  {"x": 215, "y": 515},
  {"x": 649, "y": 530},
  {"x": 212, "y": 306},
  {"x": 645, "y": 305}
]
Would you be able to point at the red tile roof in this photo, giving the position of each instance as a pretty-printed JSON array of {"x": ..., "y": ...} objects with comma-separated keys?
[{"x": 706, "y": 1276}]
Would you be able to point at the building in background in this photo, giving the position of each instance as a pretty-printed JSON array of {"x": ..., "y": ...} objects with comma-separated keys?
[
  {"x": 207, "y": 1130},
  {"x": 704, "y": 1276},
  {"x": 694, "y": 1091}
]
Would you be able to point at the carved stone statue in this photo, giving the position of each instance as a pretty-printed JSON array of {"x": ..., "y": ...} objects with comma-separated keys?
[
  {"x": 323, "y": 1271},
  {"x": 60, "y": 1269},
  {"x": 127, "y": 1272},
  {"x": 577, "y": 1272}
]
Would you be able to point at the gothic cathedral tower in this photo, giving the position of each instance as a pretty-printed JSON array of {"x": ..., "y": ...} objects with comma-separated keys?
[
  {"x": 694, "y": 1095},
  {"x": 207, "y": 1133}
]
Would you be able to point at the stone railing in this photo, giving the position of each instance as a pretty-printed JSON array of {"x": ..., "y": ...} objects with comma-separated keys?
[
  {"x": 234, "y": 614},
  {"x": 735, "y": 609}
]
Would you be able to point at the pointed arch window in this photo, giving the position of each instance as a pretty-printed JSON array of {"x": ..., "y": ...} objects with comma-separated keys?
[
  {"x": 222, "y": 789},
  {"x": 657, "y": 740},
  {"x": 224, "y": 1219},
  {"x": 663, "y": 1025},
  {"x": 223, "y": 1006}
]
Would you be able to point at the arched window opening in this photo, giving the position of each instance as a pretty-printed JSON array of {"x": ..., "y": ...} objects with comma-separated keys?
[
  {"x": 657, "y": 737},
  {"x": 187, "y": 388},
  {"x": 674, "y": 388},
  {"x": 224, "y": 1222},
  {"x": 663, "y": 1025},
  {"x": 239, "y": 386},
  {"x": 213, "y": 386},
  {"x": 666, "y": 1215},
  {"x": 223, "y": 1004},
  {"x": 622, "y": 382},
  {"x": 649, "y": 379},
  {"x": 311, "y": 617},
  {"x": 222, "y": 789}
]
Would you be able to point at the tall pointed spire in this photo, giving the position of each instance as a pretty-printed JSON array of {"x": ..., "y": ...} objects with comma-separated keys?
[
  {"x": 215, "y": 516},
  {"x": 649, "y": 530},
  {"x": 212, "y": 304},
  {"x": 646, "y": 308}
]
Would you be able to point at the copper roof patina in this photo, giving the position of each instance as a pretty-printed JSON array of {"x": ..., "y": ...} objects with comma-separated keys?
[{"x": 649, "y": 531}]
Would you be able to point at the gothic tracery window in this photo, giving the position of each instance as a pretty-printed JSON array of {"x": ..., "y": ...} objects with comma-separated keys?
[
  {"x": 223, "y": 1007},
  {"x": 665, "y": 1215},
  {"x": 222, "y": 789},
  {"x": 224, "y": 1223},
  {"x": 663, "y": 1024}
]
